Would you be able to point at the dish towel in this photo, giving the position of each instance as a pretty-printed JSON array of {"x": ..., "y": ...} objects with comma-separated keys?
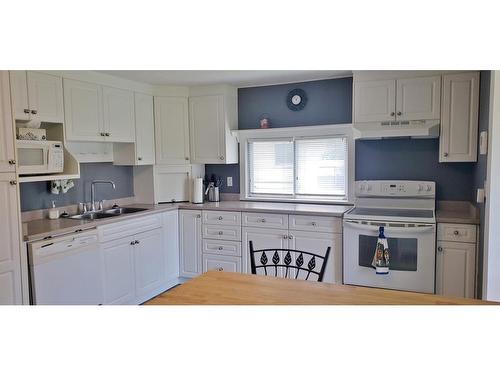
[{"x": 381, "y": 257}]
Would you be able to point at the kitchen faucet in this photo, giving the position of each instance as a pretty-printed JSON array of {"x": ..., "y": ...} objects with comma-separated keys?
[{"x": 92, "y": 191}]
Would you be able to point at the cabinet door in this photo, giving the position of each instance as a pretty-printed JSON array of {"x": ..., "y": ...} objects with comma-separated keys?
[
  {"x": 172, "y": 130},
  {"x": 144, "y": 129},
  {"x": 455, "y": 269},
  {"x": 374, "y": 101},
  {"x": 118, "y": 110},
  {"x": 418, "y": 98},
  {"x": 172, "y": 183},
  {"x": 221, "y": 263},
  {"x": 317, "y": 243},
  {"x": 459, "y": 118},
  {"x": 83, "y": 111},
  {"x": 149, "y": 262},
  {"x": 45, "y": 97},
  {"x": 171, "y": 246},
  {"x": 10, "y": 272},
  {"x": 207, "y": 126},
  {"x": 190, "y": 243},
  {"x": 118, "y": 271},
  {"x": 19, "y": 92},
  {"x": 7, "y": 153},
  {"x": 263, "y": 239}
]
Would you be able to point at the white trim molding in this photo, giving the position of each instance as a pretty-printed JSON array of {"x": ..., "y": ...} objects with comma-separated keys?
[{"x": 335, "y": 130}]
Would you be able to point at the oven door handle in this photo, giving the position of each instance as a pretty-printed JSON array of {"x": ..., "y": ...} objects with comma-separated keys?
[{"x": 420, "y": 229}]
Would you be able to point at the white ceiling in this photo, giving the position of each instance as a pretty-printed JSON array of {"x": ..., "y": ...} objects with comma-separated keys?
[{"x": 239, "y": 78}]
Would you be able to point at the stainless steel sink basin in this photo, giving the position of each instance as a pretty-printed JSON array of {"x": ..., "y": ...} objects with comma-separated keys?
[
  {"x": 108, "y": 213},
  {"x": 92, "y": 216},
  {"x": 124, "y": 210}
]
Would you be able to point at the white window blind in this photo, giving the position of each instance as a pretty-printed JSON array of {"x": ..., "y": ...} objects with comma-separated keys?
[
  {"x": 306, "y": 168},
  {"x": 271, "y": 167}
]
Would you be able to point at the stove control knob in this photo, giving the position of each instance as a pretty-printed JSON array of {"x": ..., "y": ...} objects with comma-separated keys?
[
  {"x": 420, "y": 187},
  {"x": 369, "y": 188},
  {"x": 429, "y": 187},
  {"x": 362, "y": 187}
]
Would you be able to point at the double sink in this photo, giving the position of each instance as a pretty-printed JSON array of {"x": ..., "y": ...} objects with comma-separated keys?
[{"x": 114, "y": 212}]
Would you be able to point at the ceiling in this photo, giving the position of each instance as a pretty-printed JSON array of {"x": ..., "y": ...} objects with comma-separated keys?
[{"x": 239, "y": 78}]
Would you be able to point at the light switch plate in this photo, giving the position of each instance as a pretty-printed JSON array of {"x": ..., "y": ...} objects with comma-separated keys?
[
  {"x": 229, "y": 181},
  {"x": 480, "y": 196},
  {"x": 483, "y": 143}
]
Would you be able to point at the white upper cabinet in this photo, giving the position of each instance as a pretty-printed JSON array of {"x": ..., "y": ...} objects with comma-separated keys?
[
  {"x": 171, "y": 130},
  {"x": 45, "y": 97},
  {"x": 212, "y": 117},
  {"x": 83, "y": 111},
  {"x": 7, "y": 153},
  {"x": 118, "y": 110},
  {"x": 397, "y": 99},
  {"x": 144, "y": 129},
  {"x": 418, "y": 98},
  {"x": 374, "y": 101},
  {"x": 37, "y": 96},
  {"x": 459, "y": 117}
]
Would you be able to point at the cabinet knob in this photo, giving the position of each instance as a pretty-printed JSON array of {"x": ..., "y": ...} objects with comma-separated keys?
[
  {"x": 456, "y": 233},
  {"x": 392, "y": 113},
  {"x": 440, "y": 249},
  {"x": 107, "y": 134},
  {"x": 263, "y": 220},
  {"x": 314, "y": 224},
  {"x": 139, "y": 158},
  {"x": 12, "y": 162},
  {"x": 220, "y": 217},
  {"x": 220, "y": 269},
  {"x": 445, "y": 154},
  {"x": 34, "y": 111},
  {"x": 132, "y": 243},
  {"x": 221, "y": 157},
  {"x": 137, "y": 242},
  {"x": 26, "y": 110},
  {"x": 290, "y": 237},
  {"x": 198, "y": 216},
  {"x": 186, "y": 158},
  {"x": 221, "y": 248},
  {"x": 13, "y": 182},
  {"x": 221, "y": 233},
  {"x": 285, "y": 236},
  {"x": 399, "y": 113},
  {"x": 102, "y": 134}
]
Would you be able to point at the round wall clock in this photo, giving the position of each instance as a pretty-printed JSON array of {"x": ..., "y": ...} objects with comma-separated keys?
[{"x": 296, "y": 99}]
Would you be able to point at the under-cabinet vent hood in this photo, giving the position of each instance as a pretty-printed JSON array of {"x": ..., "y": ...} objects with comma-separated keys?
[{"x": 397, "y": 129}]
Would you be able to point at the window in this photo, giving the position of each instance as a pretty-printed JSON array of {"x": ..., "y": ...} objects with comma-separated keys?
[{"x": 303, "y": 168}]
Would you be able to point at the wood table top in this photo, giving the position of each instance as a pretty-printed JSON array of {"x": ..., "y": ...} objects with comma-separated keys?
[{"x": 228, "y": 288}]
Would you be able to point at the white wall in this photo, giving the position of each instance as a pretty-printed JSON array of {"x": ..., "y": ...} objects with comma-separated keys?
[{"x": 491, "y": 272}]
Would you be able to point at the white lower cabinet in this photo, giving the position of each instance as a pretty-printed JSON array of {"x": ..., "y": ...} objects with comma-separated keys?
[
  {"x": 190, "y": 243},
  {"x": 118, "y": 271},
  {"x": 455, "y": 269},
  {"x": 221, "y": 263}
]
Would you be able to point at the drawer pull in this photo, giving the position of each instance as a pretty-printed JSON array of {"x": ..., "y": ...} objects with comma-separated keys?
[
  {"x": 261, "y": 220},
  {"x": 220, "y": 217},
  {"x": 221, "y": 233},
  {"x": 220, "y": 269},
  {"x": 221, "y": 248},
  {"x": 314, "y": 224},
  {"x": 440, "y": 249},
  {"x": 456, "y": 233}
]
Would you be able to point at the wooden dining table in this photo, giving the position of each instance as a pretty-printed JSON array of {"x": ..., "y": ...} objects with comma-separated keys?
[{"x": 228, "y": 288}]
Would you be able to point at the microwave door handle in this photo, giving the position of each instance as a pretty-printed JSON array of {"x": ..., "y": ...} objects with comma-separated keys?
[{"x": 421, "y": 229}]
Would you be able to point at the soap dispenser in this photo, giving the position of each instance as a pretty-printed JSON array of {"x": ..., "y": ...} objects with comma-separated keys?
[{"x": 53, "y": 212}]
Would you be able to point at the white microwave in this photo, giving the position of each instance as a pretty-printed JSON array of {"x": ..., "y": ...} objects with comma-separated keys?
[{"x": 40, "y": 157}]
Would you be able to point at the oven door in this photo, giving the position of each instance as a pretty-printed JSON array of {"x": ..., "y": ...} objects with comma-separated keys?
[{"x": 412, "y": 255}]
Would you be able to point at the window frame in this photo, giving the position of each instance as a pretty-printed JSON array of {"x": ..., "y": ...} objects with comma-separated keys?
[{"x": 294, "y": 133}]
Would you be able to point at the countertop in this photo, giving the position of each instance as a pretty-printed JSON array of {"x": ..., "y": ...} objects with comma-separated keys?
[
  {"x": 456, "y": 213},
  {"x": 271, "y": 207},
  {"x": 228, "y": 288},
  {"x": 39, "y": 229}
]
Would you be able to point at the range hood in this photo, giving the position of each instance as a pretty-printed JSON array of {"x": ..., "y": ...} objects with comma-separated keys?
[{"x": 397, "y": 129}]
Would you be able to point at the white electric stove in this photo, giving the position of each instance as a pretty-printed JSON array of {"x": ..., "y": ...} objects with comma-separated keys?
[{"x": 406, "y": 210}]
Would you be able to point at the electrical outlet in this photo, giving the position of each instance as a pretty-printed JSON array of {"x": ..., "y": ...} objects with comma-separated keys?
[
  {"x": 480, "y": 196},
  {"x": 229, "y": 181}
]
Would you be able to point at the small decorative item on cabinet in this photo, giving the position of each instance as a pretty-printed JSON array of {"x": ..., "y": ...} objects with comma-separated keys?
[{"x": 264, "y": 122}]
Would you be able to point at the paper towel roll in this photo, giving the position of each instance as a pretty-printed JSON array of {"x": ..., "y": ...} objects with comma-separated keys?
[{"x": 197, "y": 190}]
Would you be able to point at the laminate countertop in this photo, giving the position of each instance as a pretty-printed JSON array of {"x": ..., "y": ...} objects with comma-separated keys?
[
  {"x": 457, "y": 213},
  {"x": 229, "y": 288},
  {"x": 39, "y": 229}
]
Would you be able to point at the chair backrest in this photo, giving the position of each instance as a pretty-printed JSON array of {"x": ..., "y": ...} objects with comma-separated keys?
[{"x": 292, "y": 262}]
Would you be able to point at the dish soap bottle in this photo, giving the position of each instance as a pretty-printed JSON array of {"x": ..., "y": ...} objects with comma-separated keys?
[
  {"x": 53, "y": 212},
  {"x": 381, "y": 257}
]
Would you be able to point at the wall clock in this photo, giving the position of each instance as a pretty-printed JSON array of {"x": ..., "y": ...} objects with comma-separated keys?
[{"x": 296, "y": 99}]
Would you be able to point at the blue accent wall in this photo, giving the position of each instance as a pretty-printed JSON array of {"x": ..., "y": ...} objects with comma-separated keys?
[
  {"x": 330, "y": 102},
  {"x": 36, "y": 195}
]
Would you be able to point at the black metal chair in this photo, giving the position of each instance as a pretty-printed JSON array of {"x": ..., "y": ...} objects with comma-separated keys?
[{"x": 286, "y": 262}]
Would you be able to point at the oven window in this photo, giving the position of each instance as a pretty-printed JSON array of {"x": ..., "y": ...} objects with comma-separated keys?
[
  {"x": 30, "y": 156},
  {"x": 403, "y": 252}
]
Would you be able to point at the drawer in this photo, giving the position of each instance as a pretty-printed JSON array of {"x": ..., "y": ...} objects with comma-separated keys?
[
  {"x": 221, "y": 263},
  {"x": 263, "y": 220},
  {"x": 221, "y": 217},
  {"x": 222, "y": 232},
  {"x": 316, "y": 223},
  {"x": 456, "y": 232},
  {"x": 232, "y": 248},
  {"x": 129, "y": 227}
]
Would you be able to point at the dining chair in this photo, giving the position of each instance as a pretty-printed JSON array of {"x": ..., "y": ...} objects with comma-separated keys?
[{"x": 283, "y": 259}]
